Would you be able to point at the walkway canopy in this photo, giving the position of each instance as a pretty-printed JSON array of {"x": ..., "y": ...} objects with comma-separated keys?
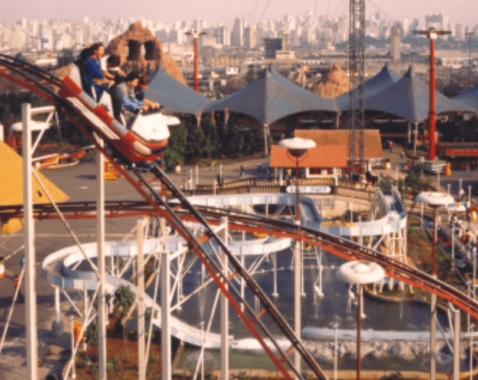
[
  {"x": 470, "y": 97},
  {"x": 173, "y": 95},
  {"x": 270, "y": 98},
  {"x": 408, "y": 98},
  {"x": 373, "y": 86}
]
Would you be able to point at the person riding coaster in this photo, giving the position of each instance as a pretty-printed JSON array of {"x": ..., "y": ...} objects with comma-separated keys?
[{"x": 139, "y": 139}]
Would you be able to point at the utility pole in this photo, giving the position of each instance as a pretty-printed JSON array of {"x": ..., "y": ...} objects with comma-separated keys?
[
  {"x": 469, "y": 35},
  {"x": 357, "y": 81},
  {"x": 432, "y": 34},
  {"x": 195, "y": 34}
]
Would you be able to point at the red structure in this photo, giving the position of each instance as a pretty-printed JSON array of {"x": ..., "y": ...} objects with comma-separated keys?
[
  {"x": 432, "y": 34},
  {"x": 194, "y": 34}
]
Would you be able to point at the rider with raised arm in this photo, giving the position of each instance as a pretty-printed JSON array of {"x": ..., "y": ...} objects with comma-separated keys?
[{"x": 94, "y": 76}]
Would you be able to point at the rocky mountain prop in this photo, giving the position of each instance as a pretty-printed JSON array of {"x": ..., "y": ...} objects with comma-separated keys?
[
  {"x": 334, "y": 83},
  {"x": 141, "y": 51}
]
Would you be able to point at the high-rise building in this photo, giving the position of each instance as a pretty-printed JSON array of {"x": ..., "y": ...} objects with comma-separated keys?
[
  {"x": 250, "y": 37},
  {"x": 222, "y": 34},
  {"x": 395, "y": 43},
  {"x": 17, "y": 38},
  {"x": 237, "y": 35},
  {"x": 406, "y": 25},
  {"x": 272, "y": 45}
]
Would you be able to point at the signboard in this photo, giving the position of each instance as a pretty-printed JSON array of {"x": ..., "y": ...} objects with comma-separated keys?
[
  {"x": 462, "y": 152},
  {"x": 309, "y": 189}
]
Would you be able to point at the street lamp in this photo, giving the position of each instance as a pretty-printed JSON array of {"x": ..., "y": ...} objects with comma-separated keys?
[
  {"x": 297, "y": 148},
  {"x": 432, "y": 34},
  {"x": 434, "y": 200},
  {"x": 335, "y": 326},
  {"x": 360, "y": 273},
  {"x": 469, "y": 35},
  {"x": 195, "y": 35},
  {"x": 470, "y": 331}
]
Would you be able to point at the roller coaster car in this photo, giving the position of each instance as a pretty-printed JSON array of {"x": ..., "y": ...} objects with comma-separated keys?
[{"x": 141, "y": 140}]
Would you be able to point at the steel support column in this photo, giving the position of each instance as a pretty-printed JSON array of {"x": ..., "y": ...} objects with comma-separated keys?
[
  {"x": 357, "y": 81},
  {"x": 101, "y": 262},
  {"x": 297, "y": 300},
  {"x": 224, "y": 309},
  {"x": 30, "y": 292},
  {"x": 140, "y": 310},
  {"x": 165, "y": 318}
]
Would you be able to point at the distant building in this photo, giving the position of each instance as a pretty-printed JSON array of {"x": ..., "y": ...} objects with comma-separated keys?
[
  {"x": 395, "y": 43},
  {"x": 237, "y": 35},
  {"x": 250, "y": 37},
  {"x": 272, "y": 45}
]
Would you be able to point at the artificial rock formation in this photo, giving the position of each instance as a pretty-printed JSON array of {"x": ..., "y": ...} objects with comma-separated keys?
[
  {"x": 139, "y": 50},
  {"x": 334, "y": 83}
]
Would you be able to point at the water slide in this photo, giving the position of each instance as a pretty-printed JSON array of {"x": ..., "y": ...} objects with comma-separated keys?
[{"x": 58, "y": 269}]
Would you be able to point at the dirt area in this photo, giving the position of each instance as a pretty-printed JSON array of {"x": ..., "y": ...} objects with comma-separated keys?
[{"x": 122, "y": 358}]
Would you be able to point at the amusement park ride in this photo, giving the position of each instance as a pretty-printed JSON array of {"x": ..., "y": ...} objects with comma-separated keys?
[{"x": 125, "y": 147}]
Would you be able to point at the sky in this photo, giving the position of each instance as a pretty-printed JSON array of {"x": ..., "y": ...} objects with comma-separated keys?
[{"x": 215, "y": 11}]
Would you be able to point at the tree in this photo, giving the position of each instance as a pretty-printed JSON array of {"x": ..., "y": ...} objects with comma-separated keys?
[
  {"x": 212, "y": 143},
  {"x": 176, "y": 148},
  {"x": 195, "y": 143}
]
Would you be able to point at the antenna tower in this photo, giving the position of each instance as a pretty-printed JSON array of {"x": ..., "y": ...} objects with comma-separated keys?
[{"x": 357, "y": 80}]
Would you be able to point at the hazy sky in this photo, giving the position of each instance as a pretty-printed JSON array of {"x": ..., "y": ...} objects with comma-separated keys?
[{"x": 215, "y": 11}]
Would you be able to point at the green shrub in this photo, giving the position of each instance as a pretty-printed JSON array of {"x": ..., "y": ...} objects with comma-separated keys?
[
  {"x": 94, "y": 369},
  {"x": 85, "y": 362},
  {"x": 112, "y": 363},
  {"x": 91, "y": 335},
  {"x": 153, "y": 359}
]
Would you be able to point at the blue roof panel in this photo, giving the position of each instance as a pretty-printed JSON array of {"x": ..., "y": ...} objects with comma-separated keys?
[
  {"x": 173, "y": 95},
  {"x": 373, "y": 86},
  {"x": 272, "y": 97},
  {"x": 409, "y": 99}
]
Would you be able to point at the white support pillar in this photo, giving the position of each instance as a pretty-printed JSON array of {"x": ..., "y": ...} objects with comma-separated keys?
[
  {"x": 197, "y": 178},
  {"x": 243, "y": 282},
  {"x": 57, "y": 327},
  {"x": 224, "y": 309},
  {"x": 140, "y": 310},
  {"x": 456, "y": 343},
  {"x": 165, "y": 317},
  {"x": 30, "y": 291},
  {"x": 297, "y": 300},
  {"x": 101, "y": 262},
  {"x": 433, "y": 332},
  {"x": 274, "y": 263},
  {"x": 409, "y": 132}
]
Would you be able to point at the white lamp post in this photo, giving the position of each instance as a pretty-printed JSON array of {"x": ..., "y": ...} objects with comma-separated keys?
[
  {"x": 434, "y": 200},
  {"x": 471, "y": 328},
  {"x": 297, "y": 148},
  {"x": 359, "y": 273},
  {"x": 336, "y": 326}
]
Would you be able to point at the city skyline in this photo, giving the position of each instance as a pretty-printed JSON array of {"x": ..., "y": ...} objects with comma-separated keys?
[{"x": 216, "y": 11}]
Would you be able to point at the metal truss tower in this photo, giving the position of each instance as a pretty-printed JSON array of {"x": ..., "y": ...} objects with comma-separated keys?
[{"x": 357, "y": 79}]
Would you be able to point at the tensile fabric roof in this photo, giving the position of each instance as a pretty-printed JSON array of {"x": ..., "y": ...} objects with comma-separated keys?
[
  {"x": 373, "y": 86},
  {"x": 470, "y": 97},
  {"x": 409, "y": 98},
  {"x": 271, "y": 97},
  {"x": 173, "y": 95}
]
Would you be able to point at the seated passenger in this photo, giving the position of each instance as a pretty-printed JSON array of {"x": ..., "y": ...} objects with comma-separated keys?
[
  {"x": 142, "y": 86},
  {"x": 124, "y": 99},
  {"x": 111, "y": 69},
  {"x": 94, "y": 76}
]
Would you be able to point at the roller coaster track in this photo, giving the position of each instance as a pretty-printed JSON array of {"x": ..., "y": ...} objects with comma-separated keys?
[
  {"x": 176, "y": 213},
  {"x": 37, "y": 81}
]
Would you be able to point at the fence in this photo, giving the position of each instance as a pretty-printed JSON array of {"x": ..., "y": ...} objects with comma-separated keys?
[{"x": 345, "y": 188}]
